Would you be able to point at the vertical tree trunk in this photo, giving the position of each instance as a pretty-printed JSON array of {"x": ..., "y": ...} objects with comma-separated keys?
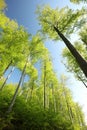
[
  {"x": 27, "y": 95},
  {"x": 7, "y": 78},
  {"x": 80, "y": 60},
  {"x": 16, "y": 92},
  {"x": 80, "y": 118},
  {"x": 44, "y": 85},
  {"x": 31, "y": 92},
  {"x": 54, "y": 101},
  {"x": 67, "y": 103}
]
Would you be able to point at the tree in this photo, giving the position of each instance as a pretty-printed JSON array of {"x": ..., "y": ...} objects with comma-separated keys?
[
  {"x": 11, "y": 51},
  {"x": 52, "y": 24},
  {"x": 16, "y": 91}
]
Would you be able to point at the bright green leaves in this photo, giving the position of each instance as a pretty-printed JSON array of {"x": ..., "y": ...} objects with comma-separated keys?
[
  {"x": 64, "y": 19},
  {"x": 32, "y": 112},
  {"x": 70, "y": 62},
  {"x": 14, "y": 42},
  {"x": 36, "y": 48},
  {"x": 83, "y": 35},
  {"x": 78, "y": 1},
  {"x": 81, "y": 47},
  {"x": 2, "y": 4},
  {"x": 18, "y": 49}
]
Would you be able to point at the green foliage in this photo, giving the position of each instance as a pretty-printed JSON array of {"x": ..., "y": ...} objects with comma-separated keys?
[
  {"x": 13, "y": 43},
  {"x": 18, "y": 48},
  {"x": 70, "y": 62},
  {"x": 78, "y": 1},
  {"x": 83, "y": 34},
  {"x": 30, "y": 115},
  {"x": 2, "y": 4},
  {"x": 65, "y": 19}
]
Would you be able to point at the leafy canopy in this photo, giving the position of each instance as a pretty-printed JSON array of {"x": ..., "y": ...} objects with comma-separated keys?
[
  {"x": 2, "y": 4},
  {"x": 78, "y": 1},
  {"x": 65, "y": 19}
]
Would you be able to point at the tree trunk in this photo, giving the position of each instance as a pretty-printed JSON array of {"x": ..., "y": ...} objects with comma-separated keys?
[
  {"x": 82, "y": 63},
  {"x": 44, "y": 85},
  {"x": 6, "y": 69},
  {"x": 23, "y": 78},
  {"x": 31, "y": 92},
  {"x": 16, "y": 92},
  {"x": 7, "y": 78},
  {"x": 67, "y": 103},
  {"x": 80, "y": 118},
  {"x": 53, "y": 97},
  {"x": 27, "y": 95}
]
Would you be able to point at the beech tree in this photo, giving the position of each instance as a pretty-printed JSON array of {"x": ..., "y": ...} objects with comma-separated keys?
[
  {"x": 42, "y": 102},
  {"x": 12, "y": 41},
  {"x": 55, "y": 25}
]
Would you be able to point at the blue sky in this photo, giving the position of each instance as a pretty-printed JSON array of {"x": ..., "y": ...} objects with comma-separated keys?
[{"x": 23, "y": 11}]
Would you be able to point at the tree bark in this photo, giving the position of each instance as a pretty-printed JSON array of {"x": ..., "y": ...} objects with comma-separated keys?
[
  {"x": 16, "y": 92},
  {"x": 53, "y": 97},
  {"x": 44, "y": 85},
  {"x": 31, "y": 91},
  {"x": 7, "y": 78},
  {"x": 82, "y": 81},
  {"x": 80, "y": 60},
  {"x": 6, "y": 69}
]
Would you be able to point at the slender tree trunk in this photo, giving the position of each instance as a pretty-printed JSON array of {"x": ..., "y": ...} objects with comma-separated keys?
[
  {"x": 31, "y": 92},
  {"x": 80, "y": 118},
  {"x": 67, "y": 103},
  {"x": 54, "y": 101},
  {"x": 16, "y": 92},
  {"x": 77, "y": 115},
  {"x": 27, "y": 95},
  {"x": 44, "y": 85},
  {"x": 22, "y": 82},
  {"x": 68, "y": 107},
  {"x": 6, "y": 69},
  {"x": 82, "y": 81},
  {"x": 82, "y": 63},
  {"x": 47, "y": 96},
  {"x": 7, "y": 78}
]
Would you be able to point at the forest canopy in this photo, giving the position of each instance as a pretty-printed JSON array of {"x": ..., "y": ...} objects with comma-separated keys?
[{"x": 44, "y": 101}]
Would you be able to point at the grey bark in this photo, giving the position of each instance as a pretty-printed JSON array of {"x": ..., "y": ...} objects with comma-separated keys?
[
  {"x": 16, "y": 92},
  {"x": 80, "y": 60}
]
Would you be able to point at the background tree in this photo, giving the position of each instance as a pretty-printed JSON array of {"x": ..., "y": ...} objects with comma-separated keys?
[
  {"x": 78, "y": 1},
  {"x": 2, "y": 5},
  {"x": 70, "y": 62}
]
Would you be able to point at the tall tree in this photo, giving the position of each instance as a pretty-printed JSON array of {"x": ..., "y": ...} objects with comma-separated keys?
[
  {"x": 52, "y": 23},
  {"x": 16, "y": 91}
]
